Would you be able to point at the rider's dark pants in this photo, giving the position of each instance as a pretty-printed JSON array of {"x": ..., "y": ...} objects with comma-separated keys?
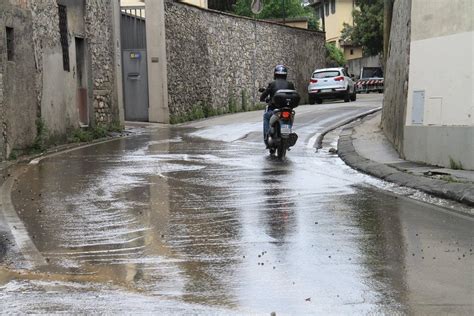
[{"x": 266, "y": 122}]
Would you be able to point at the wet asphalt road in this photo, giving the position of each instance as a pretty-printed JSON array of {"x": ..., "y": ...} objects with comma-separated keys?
[{"x": 198, "y": 219}]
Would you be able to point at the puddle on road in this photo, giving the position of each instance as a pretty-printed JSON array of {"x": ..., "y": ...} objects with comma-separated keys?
[{"x": 213, "y": 227}]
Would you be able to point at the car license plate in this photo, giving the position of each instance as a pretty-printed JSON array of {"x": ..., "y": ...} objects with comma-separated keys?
[
  {"x": 326, "y": 90},
  {"x": 285, "y": 129}
]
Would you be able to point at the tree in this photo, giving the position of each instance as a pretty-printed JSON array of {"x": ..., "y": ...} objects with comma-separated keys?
[
  {"x": 273, "y": 9},
  {"x": 334, "y": 56},
  {"x": 368, "y": 27},
  {"x": 278, "y": 9}
]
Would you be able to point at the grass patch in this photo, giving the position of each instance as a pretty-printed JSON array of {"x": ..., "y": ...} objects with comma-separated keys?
[
  {"x": 455, "y": 165},
  {"x": 85, "y": 135},
  {"x": 448, "y": 178},
  {"x": 42, "y": 136},
  {"x": 203, "y": 110},
  {"x": 44, "y": 139}
]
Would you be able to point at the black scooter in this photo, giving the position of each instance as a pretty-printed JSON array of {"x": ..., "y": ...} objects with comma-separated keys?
[{"x": 281, "y": 136}]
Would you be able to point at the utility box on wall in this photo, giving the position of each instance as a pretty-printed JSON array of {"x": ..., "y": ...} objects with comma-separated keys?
[{"x": 418, "y": 107}]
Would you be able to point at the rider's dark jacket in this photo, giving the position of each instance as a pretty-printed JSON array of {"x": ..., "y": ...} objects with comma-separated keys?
[{"x": 273, "y": 87}]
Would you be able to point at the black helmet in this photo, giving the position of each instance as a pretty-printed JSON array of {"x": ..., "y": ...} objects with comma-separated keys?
[{"x": 280, "y": 72}]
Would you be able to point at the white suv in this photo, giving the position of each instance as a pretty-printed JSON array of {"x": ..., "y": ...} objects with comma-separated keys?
[{"x": 331, "y": 83}]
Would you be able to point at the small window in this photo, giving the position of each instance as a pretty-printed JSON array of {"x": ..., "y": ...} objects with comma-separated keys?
[
  {"x": 64, "y": 36},
  {"x": 352, "y": 51},
  {"x": 326, "y": 8},
  {"x": 319, "y": 12},
  {"x": 333, "y": 6},
  {"x": 10, "y": 44}
]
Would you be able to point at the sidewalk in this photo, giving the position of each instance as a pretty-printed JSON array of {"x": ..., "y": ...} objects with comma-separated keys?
[{"x": 363, "y": 146}]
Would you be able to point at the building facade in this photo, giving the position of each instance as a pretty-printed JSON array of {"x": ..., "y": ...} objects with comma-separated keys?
[
  {"x": 132, "y": 3},
  {"x": 439, "y": 125},
  {"x": 332, "y": 14},
  {"x": 198, "y": 3},
  {"x": 57, "y": 69}
]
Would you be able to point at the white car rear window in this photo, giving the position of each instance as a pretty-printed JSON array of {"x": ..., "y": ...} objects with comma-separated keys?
[{"x": 326, "y": 74}]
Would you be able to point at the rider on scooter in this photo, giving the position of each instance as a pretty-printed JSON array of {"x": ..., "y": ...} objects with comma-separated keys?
[{"x": 279, "y": 83}]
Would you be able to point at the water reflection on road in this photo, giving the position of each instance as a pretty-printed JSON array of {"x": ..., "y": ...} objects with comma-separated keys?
[{"x": 179, "y": 224}]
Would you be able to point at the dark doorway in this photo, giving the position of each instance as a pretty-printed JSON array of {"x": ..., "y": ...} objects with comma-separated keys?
[{"x": 81, "y": 76}]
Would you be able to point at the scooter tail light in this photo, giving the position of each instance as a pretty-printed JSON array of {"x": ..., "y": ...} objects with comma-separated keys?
[{"x": 285, "y": 115}]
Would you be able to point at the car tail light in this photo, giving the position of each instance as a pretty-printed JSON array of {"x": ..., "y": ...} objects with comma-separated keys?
[
  {"x": 313, "y": 81},
  {"x": 341, "y": 78},
  {"x": 285, "y": 115}
]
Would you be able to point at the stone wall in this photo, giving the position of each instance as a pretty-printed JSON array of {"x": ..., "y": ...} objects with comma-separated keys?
[
  {"x": 215, "y": 59},
  {"x": 17, "y": 89},
  {"x": 396, "y": 75},
  {"x": 101, "y": 47}
]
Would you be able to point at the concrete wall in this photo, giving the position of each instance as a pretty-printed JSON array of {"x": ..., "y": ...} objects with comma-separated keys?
[
  {"x": 18, "y": 109},
  {"x": 211, "y": 57},
  {"x": 440, "y": 107},
  {"x": 441, "y": 145},
  {"x": 157, "y": 63},
  {"x": 58, "y": 86},
  {"x": 355, "y": 65},
  {"x": 396, "y": 75},
  {"x": 352, "y": 52}
]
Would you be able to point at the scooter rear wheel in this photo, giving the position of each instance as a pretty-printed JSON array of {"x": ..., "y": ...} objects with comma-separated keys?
[{"x": 281, "y": 151}]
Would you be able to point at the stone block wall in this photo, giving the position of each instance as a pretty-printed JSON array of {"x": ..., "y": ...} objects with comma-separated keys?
[
  {"x": 215, "y": 58},
  {"x": 102, "y": 49},
  {"x": 396, "y": 75}
]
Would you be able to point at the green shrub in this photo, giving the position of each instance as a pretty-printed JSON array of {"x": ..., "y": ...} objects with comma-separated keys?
[
  {"x": 334, "y": 56},
  {"x": 232, "y": 104},
  {"x": 116, "y": 127},
  {"x": 13, "y": 155},
  {"x": 80, "y": 135},
  {"x": 455, "y": 164},
  {"x": 99, "y": 131},
  {"x": 244, "y": 100},
  {"x": 42, "y": 134}
]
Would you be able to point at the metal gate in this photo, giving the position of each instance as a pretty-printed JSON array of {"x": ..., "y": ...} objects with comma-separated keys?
[{"x": 134, "y": 63}]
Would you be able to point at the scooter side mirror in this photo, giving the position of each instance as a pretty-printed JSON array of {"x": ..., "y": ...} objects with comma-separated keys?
[{"x": 261, "y": 90}]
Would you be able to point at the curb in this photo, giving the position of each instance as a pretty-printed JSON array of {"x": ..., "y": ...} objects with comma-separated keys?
[
  {"x": 319, "y": 140},
  {"x": 459, "y": 192}
]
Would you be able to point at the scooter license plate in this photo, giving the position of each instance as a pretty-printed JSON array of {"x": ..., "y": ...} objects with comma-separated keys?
[{"x": 285, "y": 129}]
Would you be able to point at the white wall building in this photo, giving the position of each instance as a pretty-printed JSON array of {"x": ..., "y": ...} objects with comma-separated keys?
[{"x": 440, "y": 109}]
